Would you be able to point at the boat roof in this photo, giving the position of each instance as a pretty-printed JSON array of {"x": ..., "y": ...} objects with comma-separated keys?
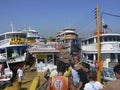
[
  {"x": 13, "y": 32},
  {"x": 106, "y": 34},
  {"x": 30, "y": 30},
  {"x": 68, "y": 31}
]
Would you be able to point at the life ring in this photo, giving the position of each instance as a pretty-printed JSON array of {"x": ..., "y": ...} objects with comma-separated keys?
[{"x": 96, "y": 63}]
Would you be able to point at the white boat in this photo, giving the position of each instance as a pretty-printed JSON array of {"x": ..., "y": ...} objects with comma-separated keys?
[
  {"x": 12, "y": 46},
  {"x": 110, "y": 48},
  {"x": 32, "y": 36}
]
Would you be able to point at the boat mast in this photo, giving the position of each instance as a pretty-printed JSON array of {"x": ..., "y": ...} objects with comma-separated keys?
[{"x": 98, "y": 44}]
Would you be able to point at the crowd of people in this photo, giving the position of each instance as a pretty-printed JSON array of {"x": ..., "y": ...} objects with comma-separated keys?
[{"x": 78, "y": 76}]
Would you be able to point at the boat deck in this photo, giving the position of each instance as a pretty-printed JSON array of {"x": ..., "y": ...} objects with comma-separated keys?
[{"x": 27, "y": 81}]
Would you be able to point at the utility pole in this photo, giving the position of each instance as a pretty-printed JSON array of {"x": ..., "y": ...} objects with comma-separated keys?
[{"x": 98, "y": 44}]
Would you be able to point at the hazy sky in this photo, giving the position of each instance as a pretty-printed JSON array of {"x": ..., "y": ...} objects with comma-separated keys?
[{"x": 50, "y": 16}]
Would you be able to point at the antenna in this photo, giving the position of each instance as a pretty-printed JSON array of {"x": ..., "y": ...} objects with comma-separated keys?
[
  {"x": 11, "y": 25},
  {"x": 24, "y": 26},
  {"x": 103, "y": 23},
  {"x": 29, "y": 27}
]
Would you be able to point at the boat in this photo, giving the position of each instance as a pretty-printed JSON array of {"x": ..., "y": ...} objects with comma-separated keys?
[
  {"x": 13, "y": 46},
  {"x": 102, "y": 50},
  {"x": 110, "y": 49},
  {"x": 6, "y": 73},
  {"x": 69, "y": 43},
  {"x": 32, "y": 36}
]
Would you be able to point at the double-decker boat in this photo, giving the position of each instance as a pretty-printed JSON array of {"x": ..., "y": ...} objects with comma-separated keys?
[
  {"x": 110, "y": 48},
  {"x": 110, "y": 52},
  {"x": 102, "y": 49},
  {"x": 69, "y": 42},
  {"x": 32, "y": 36},
  {"x": 13, "y": 46}
]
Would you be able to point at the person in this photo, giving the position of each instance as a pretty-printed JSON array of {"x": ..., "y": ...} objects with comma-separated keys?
[
  {"x": 20, "y": 74},
  {"x": 47, "y": 74},
  {"x": 93, "y": 84},
  {"x": 68, "y": 70},
  {"x": 75, "y": 75},
  {"x": 53, "y": 72},
  {"x": 85, "y": 68},
  {"x": 75, "y": 59},
  {"x": 114, "y": 84},
  {"x": 2, "y": 69},
  {"x": 60, "y": 82}
]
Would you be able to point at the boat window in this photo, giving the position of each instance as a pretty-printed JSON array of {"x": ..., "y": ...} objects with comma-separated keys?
[
  {"x": 110, "y": 38},
  {"x": 118, "y": 38},
  {"x": 16, "y": 35},
  {"x": 10, "y": 52},
  {"x": 101, "y": 39},
  {"x": 2, "y": 50},
  {"x": 119, "y": 58},
  {"x": 70, "y": 34},
  {"x": 112, "y": 56},
  {"x": 113, "y": 38},
  {"x": 2, "y": 37},
  {"x": 85, "y": 42},
  {"x": 8, "y": 36},
  {"x": 90, "y": 56},
  {"x": 23, "y": 35},
  {"x": 105, "y": 39},
  {"x": 90, "y": 41}
]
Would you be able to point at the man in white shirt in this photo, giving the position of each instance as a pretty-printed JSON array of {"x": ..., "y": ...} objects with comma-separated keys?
[{"x": 20, "y": 73}]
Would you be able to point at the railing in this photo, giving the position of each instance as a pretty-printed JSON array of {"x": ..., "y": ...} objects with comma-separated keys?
[{"x": 35, "y": 83}]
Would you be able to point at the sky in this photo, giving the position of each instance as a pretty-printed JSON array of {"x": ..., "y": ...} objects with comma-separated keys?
[{"x": 50, "y": 16}]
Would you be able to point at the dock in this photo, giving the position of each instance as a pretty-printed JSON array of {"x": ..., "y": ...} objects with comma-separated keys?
[{"x": 29, "y": 77}]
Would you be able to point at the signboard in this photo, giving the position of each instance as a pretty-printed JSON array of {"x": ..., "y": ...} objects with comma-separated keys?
[
  {"x": 41, "y": 56},
  {"x": 42, "y": 47}
]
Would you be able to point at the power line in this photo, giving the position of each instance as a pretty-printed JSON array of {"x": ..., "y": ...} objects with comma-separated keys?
[
  {"x": 90, "y": 20},
  {"x": 110, "y": 14}
]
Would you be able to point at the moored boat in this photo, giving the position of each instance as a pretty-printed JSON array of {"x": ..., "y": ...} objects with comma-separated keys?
[
  {"x": 13, "y": 46},
  {"x": 69, "y": 43},
  {"x": 110, "y": 49}
]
